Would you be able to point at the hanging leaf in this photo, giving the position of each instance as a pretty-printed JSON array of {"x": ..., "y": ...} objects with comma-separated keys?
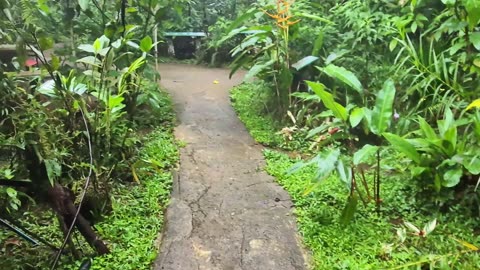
[
  {"x": 338, "y": 110},
  {"x": 45, "y": 43},
  {"x": 326, "y": 163},
  {"x": 472, "y": 164},
  {"x": 345, "y": 174},
  {"x": 304, "y": 62},
  {"x": 349, "y": 209},
  {"x": 383, "y": 111},
  {"x": 90, "y": 60},
  {"x": 257, "y": 69},
  {"x": 344, "y": 75},
  {"x": 86, "y": 48},
  {"x": 310, "y": 16},
  {"x": 403, "y": 146}
]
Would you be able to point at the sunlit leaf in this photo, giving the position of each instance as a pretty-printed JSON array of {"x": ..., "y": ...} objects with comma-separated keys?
[
  {"x": 356, "y": 116},
  {"x": 403, "y": 146},
  {"x": 308, "y": 60},
  {"x": 146, "y": 44},
  {"x": 338, "y": 110},
  {"x": 364, "y": 154},
  {"x": 430, "y": 226},
  {"x": 474, "y": 104},
  {"x": 466, "y": 244},
  {"x": 383, "y": 110},
  {"x": 344, "y": 75},
  {"x": 411, "y": 227}
]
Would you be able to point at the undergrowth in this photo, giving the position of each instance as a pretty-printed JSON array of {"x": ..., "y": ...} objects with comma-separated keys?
[
  {"x": 132, "y": 227},
  {"x": 370, "y": 240},
  {"x": 249, "y": 103}
]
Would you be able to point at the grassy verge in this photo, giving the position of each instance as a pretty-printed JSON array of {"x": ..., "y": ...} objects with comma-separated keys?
[
  {"x": 249, "y": 103},
  {"x": 370, "y": 241},
  {"x": 130, "y": 230}
]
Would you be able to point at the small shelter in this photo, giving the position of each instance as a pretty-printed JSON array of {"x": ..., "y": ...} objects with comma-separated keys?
[{"x": 182, "y": 45}]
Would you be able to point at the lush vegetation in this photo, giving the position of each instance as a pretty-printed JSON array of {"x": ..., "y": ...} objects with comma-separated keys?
[
  {"x": 370, "y": 241},
  {"x": 382, "y": 117},
  {"x": 374, "y": 104},
  {"x": 81, "y": 173},
  {"x": 131, "y": 229}
]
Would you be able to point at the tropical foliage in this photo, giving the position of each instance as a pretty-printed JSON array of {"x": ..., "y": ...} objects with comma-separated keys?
[{"x": 370, "y": 92}]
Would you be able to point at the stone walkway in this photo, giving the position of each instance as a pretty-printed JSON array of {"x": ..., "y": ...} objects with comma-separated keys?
[{"x": 226, "y": 213}]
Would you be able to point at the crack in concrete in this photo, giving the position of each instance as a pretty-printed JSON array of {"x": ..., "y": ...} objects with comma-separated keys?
[
  {"x": 219, "y": 168},
  {"x": 242, "y": 248}
]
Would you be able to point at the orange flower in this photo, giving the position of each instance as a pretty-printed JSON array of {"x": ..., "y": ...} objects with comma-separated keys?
[{"x": 282, "y": 16}]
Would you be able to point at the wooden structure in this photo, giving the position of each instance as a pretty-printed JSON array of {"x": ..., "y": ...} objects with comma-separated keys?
[{"x": 182, "y": 45}]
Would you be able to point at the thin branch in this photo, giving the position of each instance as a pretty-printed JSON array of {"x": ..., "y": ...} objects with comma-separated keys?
[{"x": 84, "y": 192}]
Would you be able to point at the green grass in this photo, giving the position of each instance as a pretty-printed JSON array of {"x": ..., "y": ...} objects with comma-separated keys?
[
  {"x": 137, "y": 218},
  {"x": 250, "y": 104},
  {"x": 370, "y": 240}
]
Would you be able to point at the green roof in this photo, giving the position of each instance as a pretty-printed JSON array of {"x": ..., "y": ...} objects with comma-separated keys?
[{"x": 185, "y": 34}]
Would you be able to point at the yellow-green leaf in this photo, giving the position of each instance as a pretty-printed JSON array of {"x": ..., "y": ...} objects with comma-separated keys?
[
  {"x": 466, "y": 244},
  {"x": 474, "y": 104}
]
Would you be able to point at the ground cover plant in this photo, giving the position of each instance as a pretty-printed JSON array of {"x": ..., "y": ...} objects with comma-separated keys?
[
  {"x": 370, "y": 240},
  {"x": 78, "y": 92},
  {"x": 370, "y": 108},
  {"x": 385, "y": 105}
]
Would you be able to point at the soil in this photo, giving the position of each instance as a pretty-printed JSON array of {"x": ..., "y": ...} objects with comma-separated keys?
[{"x": 226, "y": 212}]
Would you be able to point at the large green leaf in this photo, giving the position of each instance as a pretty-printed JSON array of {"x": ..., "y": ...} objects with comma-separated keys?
[
  {"x": 345, "y": 174},
  {"x": 383, "y": 111},
  {"x": 349, "y": 209},
  {"x": 338, "y": 110},
  {"x": 356, "y": 116},
  {"x": 403, "y": 146},
  {"x": 146, "y": 44},
  {"x": 473, "y": 10},
  {"x": 242, "y": 18},
  {"x": 364, "y": 154},
  {"x": 427, "y": 130},
  {"x": 308, "y": 60},
  {"x": 84, "y": 4},
  {"x": 344, "y": 75},
  {"x": 317, "y": 46},
  {"x": 326, "y": 163},
  {"x": 475, "y": 39},
  {"x": 258, "y": 68},
  {"x": 452, "y": 177}
]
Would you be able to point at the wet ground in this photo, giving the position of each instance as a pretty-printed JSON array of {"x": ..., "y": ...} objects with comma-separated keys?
[{"x": 226, "y": 212}]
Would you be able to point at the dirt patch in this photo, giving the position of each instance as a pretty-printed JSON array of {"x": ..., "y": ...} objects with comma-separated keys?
[{"x": 226, "y": 212}]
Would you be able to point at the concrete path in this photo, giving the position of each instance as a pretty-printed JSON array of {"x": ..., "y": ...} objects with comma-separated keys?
[{"x": 225, "y": 213}]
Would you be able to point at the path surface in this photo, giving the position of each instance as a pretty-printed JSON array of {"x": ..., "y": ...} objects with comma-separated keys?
[{"x": 225, "y": 213}]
